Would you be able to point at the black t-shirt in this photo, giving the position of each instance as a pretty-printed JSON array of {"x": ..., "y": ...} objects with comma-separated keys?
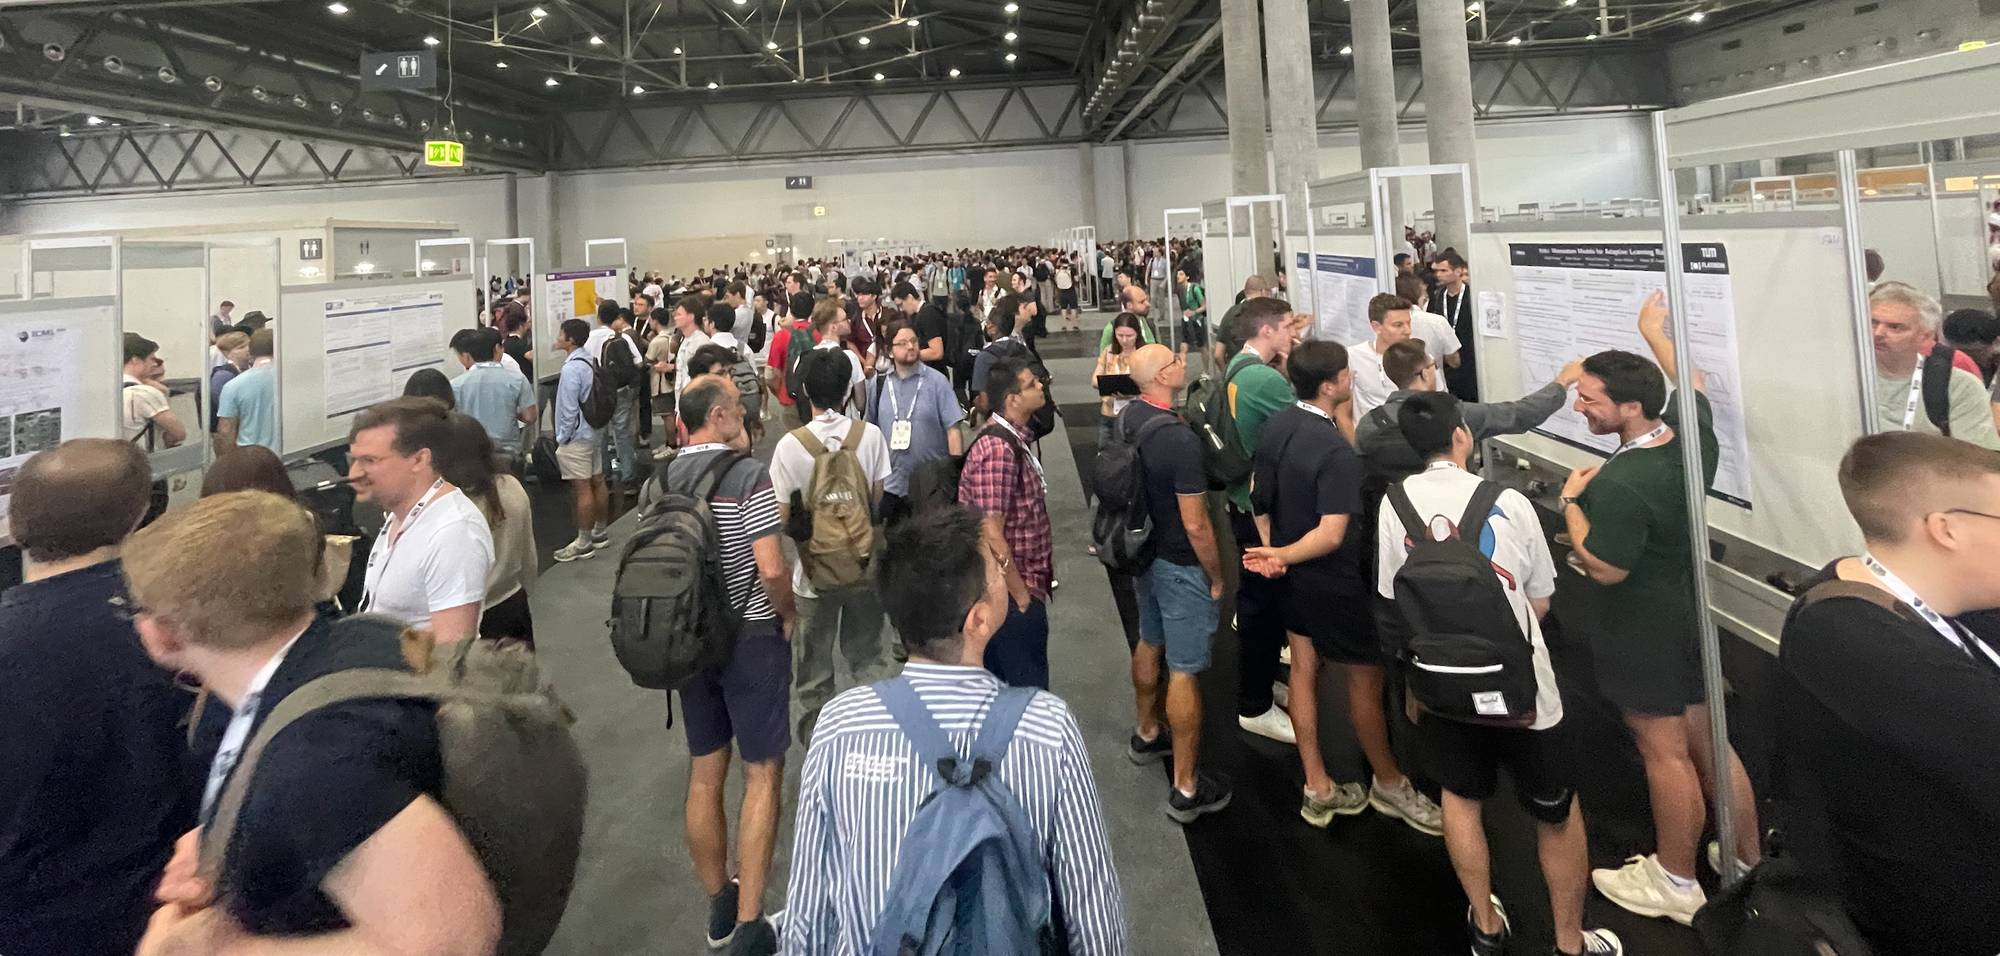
[
  {"x": 517, "y": 347},
  {"x": 1304, "y": 470},
  {"x": 931, "y": 324},
  {"x": 1171, "y": 457},
  {"x": 97, "y": 783},
  {"x": 326, "y": 784}
]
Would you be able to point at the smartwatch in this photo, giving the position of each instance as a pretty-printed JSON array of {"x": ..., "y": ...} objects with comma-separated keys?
[{"x": 1568, "y": 500}]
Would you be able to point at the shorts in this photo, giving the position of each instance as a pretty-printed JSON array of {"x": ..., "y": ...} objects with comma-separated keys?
[
  {"x": 1175, "y": 612},
  {"x": 1066, "y": 298},
  {"x": 748, "y": 699},
  {"x": 579, "y": 461},
  {"x": 1466, "y": 759},
  {"x": 509, "y": 619},
  {"x": 1648, "y": 673},
  {"x": 1340, "y": 626}
]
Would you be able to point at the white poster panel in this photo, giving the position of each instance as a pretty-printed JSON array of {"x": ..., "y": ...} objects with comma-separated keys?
[
  {"x": 373, "y": 342},
  {"x": 1574, "y": 299},
  {"x": 1345, "y": 285},
  {"x": 573, "y": 294},
  {"x": 56, "y": 368}
]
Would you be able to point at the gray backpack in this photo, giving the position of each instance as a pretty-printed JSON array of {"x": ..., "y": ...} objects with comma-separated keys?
[{"x": 514, "y": 780}]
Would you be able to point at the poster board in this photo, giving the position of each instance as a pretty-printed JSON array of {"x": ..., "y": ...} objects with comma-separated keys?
[
  {"x": 566, "y": 294},
  {"x": 59, "y": 379},
  {"x": 1800, "y": 399},
  {"x": 345, "y": 346},
  {"x": 1344, "y": 273}
]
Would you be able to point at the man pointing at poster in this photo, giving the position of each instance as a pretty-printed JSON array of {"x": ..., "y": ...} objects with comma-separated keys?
[{"x": 1628, "y": 521}]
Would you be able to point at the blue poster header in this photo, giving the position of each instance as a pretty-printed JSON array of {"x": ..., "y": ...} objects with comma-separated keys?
[{"x": 1342, "y": 265}]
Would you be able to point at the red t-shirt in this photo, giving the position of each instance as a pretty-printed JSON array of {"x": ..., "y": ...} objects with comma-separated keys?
[{"x": 781, "y": 344}]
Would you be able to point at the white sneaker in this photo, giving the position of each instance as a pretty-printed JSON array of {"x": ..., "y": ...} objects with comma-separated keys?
[
  {"x": 574, "y": 550},
  {"x": 1285, "y": 655},
  {"x": 1715, "y": 859},
  {"x": 1601, "y": 942},
  {"x": 1281, "y": 694},
  {"x": 599, "y": 535},
  {"x": 1273, "y": 723},
  {"x": 1408, "y": 804},
  {"x": 1643, "y": 887}
]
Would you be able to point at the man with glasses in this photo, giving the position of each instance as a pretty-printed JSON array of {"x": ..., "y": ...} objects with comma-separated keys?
[
  {"x": 1413, "y": 371},
  {"x": 1890, "y": 696},
  {"x": 428, "y": 566}
]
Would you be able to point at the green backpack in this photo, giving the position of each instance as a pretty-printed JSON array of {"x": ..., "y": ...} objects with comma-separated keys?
[{"x": 836, "y": 554}]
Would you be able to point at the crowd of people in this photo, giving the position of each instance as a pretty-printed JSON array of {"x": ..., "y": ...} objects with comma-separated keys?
[{"x": 899, "y": 530}]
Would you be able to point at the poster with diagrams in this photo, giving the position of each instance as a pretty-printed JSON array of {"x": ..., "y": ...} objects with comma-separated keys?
[
  {"x": 574, "y": 294},
  {"x": 41, "y": 389},
  {"x": 1344, "y": 284},
  {"x": 1576, "y": 299},
  {"x": 373, "y": 342}
]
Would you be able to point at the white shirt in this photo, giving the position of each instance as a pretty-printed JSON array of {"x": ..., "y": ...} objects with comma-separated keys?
[
  {"x": 1518, "y": 550},
  {"x": 1371, "y": 384},
  {"x": 855, "y": 379},
  {"x": 792, "y": 468},
  {"x": 1438, "y": 338},
  {"x": 439, "y": 561},
  {"x": 694, "y": 341},
  {"x": 142, "y": 402},
  {"x": 507, "y": 362},
  {"x": 594, "y": 345},
  {"x": 237, "y": 735}
]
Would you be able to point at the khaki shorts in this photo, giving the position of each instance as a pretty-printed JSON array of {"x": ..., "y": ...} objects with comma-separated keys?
[{"x": 579, "y": 461}]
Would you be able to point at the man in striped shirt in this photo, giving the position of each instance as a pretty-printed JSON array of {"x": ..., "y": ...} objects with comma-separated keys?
[
  {"x": 748, "y": 698},
  {"x": 863, "y": 780}
]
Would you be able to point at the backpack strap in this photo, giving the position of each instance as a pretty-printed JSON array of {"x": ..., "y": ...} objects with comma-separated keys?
[
  {"x": 1937, "y": 387},
  {"x": 899, "y": 696},
  {"x": 1003, "y": 715},
  {"x": 813, "y": 445},
  {"x": 1406, "y": 512},
  {"x": 1841, "y": 588},
  {"x": 1484, "y": 498},
  {"x": 853, "y": 441},
  {"x": 703, "y": 486}
]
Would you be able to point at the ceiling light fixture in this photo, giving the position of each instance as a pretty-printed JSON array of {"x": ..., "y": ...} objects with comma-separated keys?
[
  {"x": 1474, "y": 7},
  {"x": 1346, "y": 51},
  {"x": 1011, "y": 36},
  {"x": 596, "y": 40},
  {"x": 770, "y": 44},
  {"x": 879, "y": 77},
  {"x": 638, "y": 90},
  {"x": 911, "y": 23},
  {"x": 677, "y": 51},
  {"x": 714, "y": 85},
  {"x": 1010, "y": 57},
  {"x": 432, "y": 41},
  {"x": 739, "y": 2},
  {"x": 94, "y": 120},
  {"x": 538, "y": 13},
  {"x": 1591, "y": 37},
  {"x": 1513, "y": 41},
  {"x": 1697, "y": 17},
  {"x": 1012, "y": 8},
  {"x": 954, "y": 72},
  {"x": 500, "y": 65},
  {"x": 336, "y": 8},
  {"x": 864, "y": 41},
  {"x": 551, "y": 81}
]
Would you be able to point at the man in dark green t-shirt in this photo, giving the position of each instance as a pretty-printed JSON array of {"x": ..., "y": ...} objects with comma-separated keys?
[
  {"x": 1628, "y": 521},
  {"x": 1254, "y": 390}
]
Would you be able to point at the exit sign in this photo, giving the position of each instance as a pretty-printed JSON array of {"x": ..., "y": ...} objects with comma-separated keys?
[
  {"x": 444, "y": 152},
  {"x": 798, "y": 182}
]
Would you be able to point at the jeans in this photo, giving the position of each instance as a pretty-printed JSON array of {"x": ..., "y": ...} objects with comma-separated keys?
[
  {"x": 1260, "y": 625},
  {"x": 1018, "y": 654},
  {"x": 849, "y": 619},
  {"x": 621, "y": 457},
  {"x": 1176, "y": 613}
]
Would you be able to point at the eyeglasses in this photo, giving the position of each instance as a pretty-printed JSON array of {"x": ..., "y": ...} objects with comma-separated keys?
[{"x": 1969, "y": 511}]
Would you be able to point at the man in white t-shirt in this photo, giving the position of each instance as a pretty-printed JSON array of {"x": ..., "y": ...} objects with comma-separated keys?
[
  {"x": 148, "y": 421},
  {"x": 832, "y": 325},
  {"x": 687, "y": 322},
  {"x": 1466, "y": 757},
  {"x": 1389, "y": 318},
  {"x": 849, "y": 618},
  {"x": 428, "y": 567}
]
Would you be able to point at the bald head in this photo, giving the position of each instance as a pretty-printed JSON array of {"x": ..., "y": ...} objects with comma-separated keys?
[
  {"x": 82, "y": 495},
  {"x": 1148, "y": 361}
]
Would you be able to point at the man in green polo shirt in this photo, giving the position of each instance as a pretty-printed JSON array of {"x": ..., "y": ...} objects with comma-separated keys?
[
  {"x": 1135, "y": 301},
  {"x": 1628, "y": 521},
  {"x": 1254, "y": 389}
]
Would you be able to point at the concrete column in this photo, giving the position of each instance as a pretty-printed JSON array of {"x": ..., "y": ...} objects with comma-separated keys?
[
  {"x": 555, "y": 223},
  {"x": 1086, "y": 186},
  {"x": 1448, "y": 112},
  {"x": 1134, "y": 229},
  {"x": 510, "y": 198},
  {"x": 1249, "y": 147},
  {"x": 1294, "y": 119},
  {"x": 1375, "y": 93}
]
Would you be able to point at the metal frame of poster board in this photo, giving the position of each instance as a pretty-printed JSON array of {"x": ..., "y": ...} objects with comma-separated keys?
[{"x": 97, "y": 409}]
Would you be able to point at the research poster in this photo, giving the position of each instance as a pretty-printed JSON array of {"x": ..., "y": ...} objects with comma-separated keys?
[
  {"x": 1345, "y": 284},
  {"x": 1576, "y": 299},
  {"x": 574, "y": 294},
  {"x": 374, "y": 342},
  {"x": 40, "y": 391}
]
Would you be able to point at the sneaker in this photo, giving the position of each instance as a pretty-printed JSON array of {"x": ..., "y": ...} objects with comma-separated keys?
[
  {"x": 1210, "y": 795},
  {"x": 1284, "y": 653},
  {"x": 722, "y": 916},
  {"x": 663, "y": 453},
  {"x": 1596, "y": 942},
  {"x": 1272, "y": 723},
  {"x": 1489, "y": 944},
  {"x": 1643, "y": 887},
  {"x": 1281, "y": 695},
  {"x": 755, "y": 938},
  {"x": 575, "y": 550},
  {"x": 1408, "y": 804},
  {"x": 1715, "y": 860},
  {"x": 600, "y": 535},
  {"x": 1143, "y": 752},
  {"x": 1346, "y": 800}
]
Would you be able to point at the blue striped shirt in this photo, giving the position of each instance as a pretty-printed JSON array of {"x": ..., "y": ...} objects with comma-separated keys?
[{"x": 862, "y": 784}]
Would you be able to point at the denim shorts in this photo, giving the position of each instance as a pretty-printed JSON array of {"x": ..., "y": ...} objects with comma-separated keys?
[{"x": 1175, "y": 612}]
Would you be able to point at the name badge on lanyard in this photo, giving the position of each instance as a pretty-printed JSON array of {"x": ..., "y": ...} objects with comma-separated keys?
[
  {"x": 1960, "y": 638},
  {"x": 395, "y": 534},
  {"x": 1916, "y": 395},
  {"x": 1646, "y": 439},
  {"x": 899, "y": 430}
]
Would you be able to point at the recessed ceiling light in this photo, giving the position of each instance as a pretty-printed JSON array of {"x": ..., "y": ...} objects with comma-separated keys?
[
  {"x": 638, "y": 90},
  {"x": 911, "y": 23},
  {"x": 739, "y": 2},
  {"x": 596, "y": 40},
  {"x": 500, "y": 65},
  {"x": 94, "y": 120},
  {"x": 1010, "y": 57},
  {"x": 538, "y": 13},
  {"x": 1513, "y": 41},
  {"x": 551, "y": 81},
  {"x": 677, "y": 51},
  {"x": 1012, "y": 8},
  {"x": 879, "y": 77},
  {"x": 864, "y": 41},
  {"x": 1011, "y": 36},
  {"x": 1346, "y": 51},
  {"x": 432, "y": 41},
  {"x": 336, "y": 8},
  {"x": 770, "y": 44},
  {"x": 714, "y": 85},
  {"x": 954, "y": 72},
  {"x": 1697, "y": 17}
]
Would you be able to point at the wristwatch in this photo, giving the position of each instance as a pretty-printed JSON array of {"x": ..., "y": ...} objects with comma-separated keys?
[{"x": 1568, "y": 500}]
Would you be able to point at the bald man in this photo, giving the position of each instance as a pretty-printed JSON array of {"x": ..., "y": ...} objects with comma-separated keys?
[
  {"x": 1135, "y": 301},
  {"x": 97, "y": 785},
  {"x": 1180, "y": 591}
]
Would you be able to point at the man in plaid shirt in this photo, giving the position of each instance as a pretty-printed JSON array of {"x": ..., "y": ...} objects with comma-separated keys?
[{"x": 1003, "y": 482}]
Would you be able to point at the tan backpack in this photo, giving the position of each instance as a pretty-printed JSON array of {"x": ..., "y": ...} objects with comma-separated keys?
[{"x": 843, "y": 532}]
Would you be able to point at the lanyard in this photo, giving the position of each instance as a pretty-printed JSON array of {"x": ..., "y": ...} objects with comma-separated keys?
[
  {"x": 1040, "y": 475},
  {"x": 395, "y": 534},
  {"x": 1958, "y": 636},
  {"x": 1451, "y": 308},
  {"x": 896, "y": 398},
  {"x": 1315, "y": 409},
  {"x": 236, "y": 737},
  {"x": 1648, "y": 438},
  {"x": 1916, "y": 394}
]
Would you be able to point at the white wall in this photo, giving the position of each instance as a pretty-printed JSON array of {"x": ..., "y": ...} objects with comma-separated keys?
[{"x": 475, "y": 205}]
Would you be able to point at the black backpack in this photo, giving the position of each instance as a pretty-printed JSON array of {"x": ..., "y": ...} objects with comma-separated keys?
[
  {"x": 795, "y": 362},
  {"x": 963, "y": 338},
  {"x": 600, "y": 404},
  {"x": 1122, "y": 526},
  {"x": 671, "y": 619},
  {"x": 934, "y": 485},
  {"x": 1462, "y": 650},
  {"x": 619, "y": 362},
  {"x": 1222, "y": 454},
  {"x": 1937, "y": 388},
  {"x": 1044, "y": 420}
]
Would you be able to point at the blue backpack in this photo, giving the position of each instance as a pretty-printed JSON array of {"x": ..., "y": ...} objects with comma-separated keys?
[{"x": 969, "y": 878}]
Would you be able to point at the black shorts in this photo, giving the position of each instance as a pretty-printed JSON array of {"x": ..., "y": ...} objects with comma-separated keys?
[
  {"x": 509, "y": 619},
  {"x": 1341, "y": 626},
  {"x": 1466, "y": 759},
  {"x": 1646, "y": 673},
  {"x": 1066, "y": 298}
]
